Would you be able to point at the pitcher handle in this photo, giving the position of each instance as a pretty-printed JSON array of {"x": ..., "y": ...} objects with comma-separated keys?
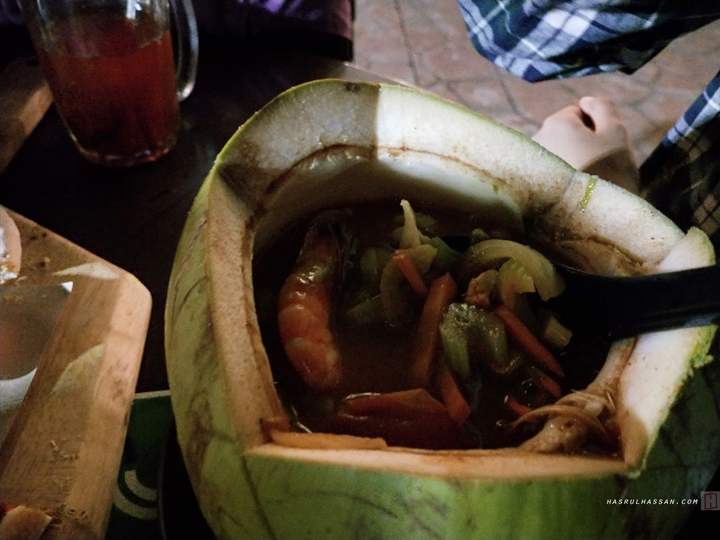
[{"x": 182, "y": 16}]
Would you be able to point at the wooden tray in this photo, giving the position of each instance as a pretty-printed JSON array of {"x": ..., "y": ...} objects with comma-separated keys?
[{"x": 63, "y": 450}]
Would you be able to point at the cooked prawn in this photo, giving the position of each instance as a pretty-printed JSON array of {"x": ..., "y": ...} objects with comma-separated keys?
[{"x": 304, "y": 307}]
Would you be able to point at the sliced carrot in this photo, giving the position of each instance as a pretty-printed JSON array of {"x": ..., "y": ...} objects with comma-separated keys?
[
  {"x": 542, "y": 356},
  {"x": 441, "y": 293},
  {"x": 401, "y": 404},
  {"x": 407, "y": 266},
  {"x": 545, "y": 382},
  {"x": 430, "y": 431},
  {"x": 550, "y": 385},
  {"x": 518, "y": 409},
  {"x": 452, "y": 396}
]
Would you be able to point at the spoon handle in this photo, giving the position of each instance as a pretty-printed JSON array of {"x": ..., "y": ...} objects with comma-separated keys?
[{"x": 627, "y": 306}]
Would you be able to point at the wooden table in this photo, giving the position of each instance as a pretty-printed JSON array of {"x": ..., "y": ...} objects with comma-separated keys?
[{"x": 133, "y": 217}]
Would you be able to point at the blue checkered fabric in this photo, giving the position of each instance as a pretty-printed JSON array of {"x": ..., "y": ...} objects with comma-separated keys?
[{"x": 549, "y": 39}]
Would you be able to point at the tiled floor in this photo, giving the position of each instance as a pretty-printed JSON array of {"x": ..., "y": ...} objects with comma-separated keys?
[{"x": 423, "y": 42}]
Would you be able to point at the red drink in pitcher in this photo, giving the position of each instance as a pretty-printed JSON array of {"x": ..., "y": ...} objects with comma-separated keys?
[{"x": 113, "y": 81}]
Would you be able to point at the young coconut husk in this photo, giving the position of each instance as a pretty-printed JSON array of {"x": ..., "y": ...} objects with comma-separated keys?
[{"x": 331, "y": 143}]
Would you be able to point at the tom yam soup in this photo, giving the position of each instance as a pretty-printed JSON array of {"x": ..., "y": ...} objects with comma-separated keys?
[{"x": 426, "y": 329}]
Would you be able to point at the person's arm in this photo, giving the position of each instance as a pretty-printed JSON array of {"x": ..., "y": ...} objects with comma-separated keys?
[
  {"x": 591, "y": 136},
  {"x": 548, "y": 39}
]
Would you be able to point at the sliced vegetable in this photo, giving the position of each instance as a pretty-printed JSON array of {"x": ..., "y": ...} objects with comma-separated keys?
[
  {"x": 398, "y": 298},
  {"x": 402, "y": 404},
  {"x": 518, "y": 409},
  {"x": 485, "y": 282},
  {"x": 358, "y": 287},
  {"x": 441, "y": 294},
  {"x": 528, "y": 341},
  {"x": 411, "y": 235},
  {"x": 455, "y": 348},
  {"x": 545, "y": 382},
  {"x": 423, "y": 257},
  {"x": 446, "y": 257},
  {"x": 372, "y": 263},
  {"x": 453, "y": 398},
  {"x": 426, "y": 223},
  {"x": 513, "y": 280},
  {"x": 551, "y": 386},
  {"x": 404, "y": 262},
  {"x": 407, "y": 418},
  {"x": 491, "y": 253},
  {"x": 481, "y": 333},
  {"x": 488, "y": 340},
  {"x": 395, "y": 295},
  {"x": 516, "y": 360},
  {"x": 555, "y": 334},
  {"x": 481, "y": 289},
  {"x": 514, "y": 284},
  {"x": 477, "y": 235},
  {"x": 367, "y": 313}
]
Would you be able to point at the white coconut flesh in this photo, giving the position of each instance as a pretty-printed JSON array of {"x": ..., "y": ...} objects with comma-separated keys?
[
  {"x": 10, "y": 247},
  {"x": 332, "y": 143}
]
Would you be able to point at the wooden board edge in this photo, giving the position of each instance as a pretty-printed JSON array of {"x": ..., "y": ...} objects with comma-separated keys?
[{"x": 63, "y": 451}]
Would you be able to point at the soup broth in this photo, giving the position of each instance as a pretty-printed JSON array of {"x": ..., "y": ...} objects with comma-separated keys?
[{"x": 377, "y": 353}]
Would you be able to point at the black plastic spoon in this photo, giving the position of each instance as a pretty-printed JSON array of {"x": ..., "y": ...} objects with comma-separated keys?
[{"x": 616, "y": 307}]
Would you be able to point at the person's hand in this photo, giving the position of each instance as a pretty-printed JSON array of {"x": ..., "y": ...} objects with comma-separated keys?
[{"x": 591, "y": 137}]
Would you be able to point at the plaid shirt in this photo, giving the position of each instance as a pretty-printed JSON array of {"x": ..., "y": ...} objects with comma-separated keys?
[{"x": 546, "y": 39}]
